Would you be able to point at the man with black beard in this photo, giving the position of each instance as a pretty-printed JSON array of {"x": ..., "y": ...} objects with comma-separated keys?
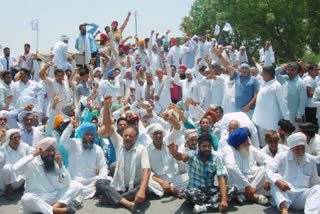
[
  {"x": 55, "y": 127},
  {"x": 87, "y": 162},
  {"x": 203, "y": 166},
  {"x": 286, "y": 128},
  {"x": 48, "y": 187}
]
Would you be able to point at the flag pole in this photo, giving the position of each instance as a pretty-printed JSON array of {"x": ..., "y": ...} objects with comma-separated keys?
[
  {"x": 136, "y": 24},
  {"x": 38, "y": 35}
]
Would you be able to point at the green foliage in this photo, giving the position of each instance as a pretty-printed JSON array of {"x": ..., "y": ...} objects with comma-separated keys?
[{"x": 291, "y": 25}]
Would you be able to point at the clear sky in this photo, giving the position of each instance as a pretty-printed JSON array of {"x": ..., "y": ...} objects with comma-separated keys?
[{"x": 58, "y": 17}]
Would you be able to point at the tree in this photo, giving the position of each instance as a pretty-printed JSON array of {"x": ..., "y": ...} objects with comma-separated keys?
[{"x": 291, "y": 25}]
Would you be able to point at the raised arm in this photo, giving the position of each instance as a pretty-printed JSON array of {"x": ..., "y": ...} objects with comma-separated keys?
[
  {"x": 209, "y": 62},
  {"x": 123, "y": 26},
  {"x": 42, "y": 73},
  {"x": 107, "y": 120},
  {"x": 225, "y": 63},
  {"x": 173, "y": 149}
]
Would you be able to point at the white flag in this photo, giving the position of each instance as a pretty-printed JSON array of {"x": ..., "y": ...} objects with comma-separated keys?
[
  {"x": 216, "y": 30},
  {"x": 35, "y": 24},
  {"x": 227, "y": 27}
]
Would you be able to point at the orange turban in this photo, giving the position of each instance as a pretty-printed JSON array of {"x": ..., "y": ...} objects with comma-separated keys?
[
  {"x": 57, "y": 120},
  {"x": 141, "y": 42}
]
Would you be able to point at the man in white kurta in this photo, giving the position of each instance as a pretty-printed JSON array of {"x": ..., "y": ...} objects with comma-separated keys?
[
  {"x": 162, "y": 87},
  {"x": 11, "y": 152},
  {"x": 163, "y": 165},
  {"x": 48, "y": 187},
  {"x": 245, "y": 166},
  {"x": 85, "y": 158},
  {"x": 273, "y": 147},
  {"x": 178, "y": 51},
  {"x": 271, "y": 104},
  {"x": 294, "y": 179},
  {"x": 60, "y": 53},
  {"x": 244, "y": 121}
]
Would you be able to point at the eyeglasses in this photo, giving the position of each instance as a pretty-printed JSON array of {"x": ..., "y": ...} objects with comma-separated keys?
[{"x": 3, "y": 119}]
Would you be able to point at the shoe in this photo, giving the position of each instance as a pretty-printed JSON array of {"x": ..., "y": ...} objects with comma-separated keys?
[
  {"x": 199, "y": 208},
  {"x": 77, "y": 202},
  {"x": 71, "y": 210},
  {"x": 263, "y": 200}
]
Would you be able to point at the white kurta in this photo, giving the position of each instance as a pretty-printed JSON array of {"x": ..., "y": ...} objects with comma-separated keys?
[
  {"x": 313, "y": 148},
  {"x": 8, "y": 157},
  {"x": 43, "y": 189},
  {"x": 163, "y": 165},
  {"x": 281, "y": 148},
  {"x": 83, "y": 163},
  {"x": 243, "y": 171},
  {"x": 244, "y": 121},
  {"x": 60, "y": 53},
  {"x": 178, "y": 52},
  {"x": 303, "y": 180},
  {"x": 271, "y": 106}
]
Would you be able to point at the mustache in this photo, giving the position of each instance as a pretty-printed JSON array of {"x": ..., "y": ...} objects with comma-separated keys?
[
  {"x": 87, "y": 144},
  {"x": 48, "y": 163}
]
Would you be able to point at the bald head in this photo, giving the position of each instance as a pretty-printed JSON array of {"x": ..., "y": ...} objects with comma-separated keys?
[{"x": 233, "y": 125}]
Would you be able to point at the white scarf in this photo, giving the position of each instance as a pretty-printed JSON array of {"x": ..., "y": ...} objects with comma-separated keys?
[
  {"x": 118, "y": 180},
  {"x": 85, "y": 47}
]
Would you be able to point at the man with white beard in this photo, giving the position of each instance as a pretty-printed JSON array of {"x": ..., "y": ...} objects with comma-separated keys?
[
  {"x": 48, "y": 187},
  {"x": 87, "y": 162},
  {"x": 13, "y": 150},
  {"x": 245, "y": 167},
  {"x": 294, "y": 179}
]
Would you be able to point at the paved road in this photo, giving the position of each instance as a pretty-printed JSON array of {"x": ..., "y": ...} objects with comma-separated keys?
[{"x": 167, "y": 205}]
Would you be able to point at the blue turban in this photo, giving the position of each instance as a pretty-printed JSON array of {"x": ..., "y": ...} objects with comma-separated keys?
[
  {"x": 110, "y": 72},
  {"x": 238, "y": 137},
  {"x": 139, "y": 66},
  {"x": 221, "y": 43},
  {"x": 166, "y": 43},
  {"x": 85, "y": 127}
]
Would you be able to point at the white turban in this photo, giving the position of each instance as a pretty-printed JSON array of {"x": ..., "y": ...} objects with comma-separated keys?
[
  {"x": 189, "y": 71},
  {"x": 45, "y": 143},
  {"x": 64, "y": 37},
  {"x": 296, "y": 139},
  {"x": 155, "y": 127},
  {"x": 11, "y": 132},
  {"x": 242, "y": 47},
  {"x": 97, "y": 69},
  {"x": 3, "y": 113},
  {"x": 244, "y": 65}
]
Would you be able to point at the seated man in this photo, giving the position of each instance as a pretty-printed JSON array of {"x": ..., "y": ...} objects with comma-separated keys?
[
  {"x": 313, "y": 141},
  {"x": 203, "y": 166},
  {"x": 87, "y": 162},
  {"x": 191, "y": 144},
  {"x": 132, "y": 172},
  {"x": 286, "y": 128},
  {"x": 244, "y": 121},
  {"x": 11, "y": 152},
  {"x": 245, "y": 167},
  {"x": 273, "y": 147},
  {"x": 163, "y": 166},
  {"x": 48, "y": 187},
  {"x": 233, "y": 125},
  {"x": 294, "y": 179}
]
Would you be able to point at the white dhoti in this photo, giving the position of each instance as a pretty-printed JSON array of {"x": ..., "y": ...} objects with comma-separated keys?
[
  {"x": 39, "y": 203},
  {"x": 88, "y": 186},
  {"x": 8, "y": 176},
  {"x": 179, "y": 182},
  {"x": 256, "y": 181},
  {"x": 301, "y": 198}
]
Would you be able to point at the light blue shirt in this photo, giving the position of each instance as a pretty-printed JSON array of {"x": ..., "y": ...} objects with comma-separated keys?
[{"x": 93, "y": 44}]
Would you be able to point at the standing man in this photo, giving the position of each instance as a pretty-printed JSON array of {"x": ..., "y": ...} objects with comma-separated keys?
[
  {"x": 271, "y": 104},
  {"x": 86, "y": 43},
  {"x": 5, "y": 90},
  {"x": 8, "y": 61},
  {"x": 25, "y": 60},
  {"x": 295, "y": 92},
  {"x": 60, "y": 53},
  {"x": 246, "y": 85}
]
